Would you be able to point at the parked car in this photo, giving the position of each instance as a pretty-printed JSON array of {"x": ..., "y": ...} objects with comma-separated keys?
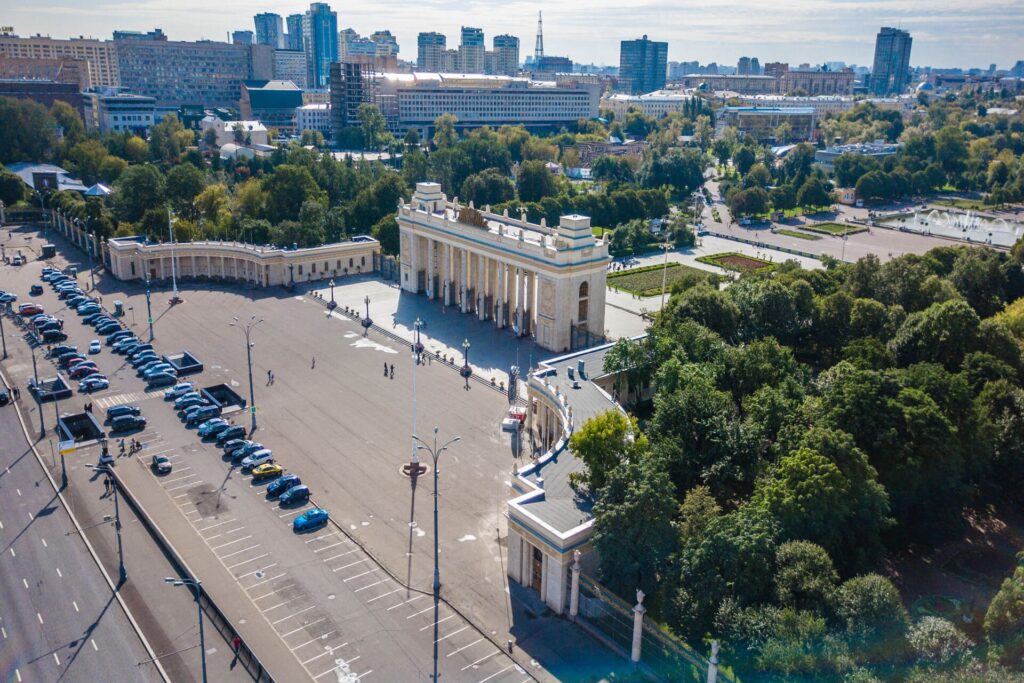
[
  {"x": 240, "y": 454},
  {"x": 35, "y": 290},
  {"x": 62, "y": 350},
  {"x": 232, "y": 445},
  {"x": 68, "y": 359},
  {"x": 213, "y": 427},
  {"x": 127, "y": 348},
  {"x": 8, "y": 297},
  {"x": 127, "y": 423},
  {"x": 258, "y": 458},
  {"x": 94, "y": 346},
  {"x": 161, "y": 379},
  {"x": 83, "y": 370},
  {"x": 48, "y": 325},
  {"x": 107, "y": 328},
  {"x": 115, "y": 337},
  {"x": 93, "y": 317},
  {"x": 50, "y": 336},
  {"x": 267, "y": 471},
  {"x": 179, "y": 390},
  {"x": 310, "y": 519},
  {"x": 201, "y": 414},
  {"x": 29, "y": 309},
  {"x": 122, "y": 345},
  {"x": 294, "y": 495},
  {"x": 93, "y": 383},
  {"x": 76, "y": 300},
  {"x": 73, "y": 362},
  {"x": 100, "y": 320},
  {"x": 140, "y": 362},
  {"x": 4, "y": 397},
  {"x": 118, "y": 411},
  {"x": 282, "y": 484},
  {"x": 140, "y": 349},
  {"x": 161, "y": 465},
  {"x": 232, "y": 432},
  {"x": 159, "y": 370},
  {"x": 187, "y": 400}
]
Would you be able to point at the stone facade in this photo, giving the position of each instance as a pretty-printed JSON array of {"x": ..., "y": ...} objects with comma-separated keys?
[{"x": 542, "y": 282}]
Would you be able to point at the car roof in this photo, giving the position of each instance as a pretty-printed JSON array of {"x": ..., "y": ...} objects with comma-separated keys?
[{"x": 261, "y": 451}]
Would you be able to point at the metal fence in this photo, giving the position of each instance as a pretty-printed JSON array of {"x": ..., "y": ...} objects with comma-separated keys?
[{"x": 663, "y": 655}]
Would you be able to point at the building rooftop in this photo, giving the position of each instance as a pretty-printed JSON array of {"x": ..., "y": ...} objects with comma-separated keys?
[
  {"x": 770, "y": 110},
  {"x": 27, "y": 170}
]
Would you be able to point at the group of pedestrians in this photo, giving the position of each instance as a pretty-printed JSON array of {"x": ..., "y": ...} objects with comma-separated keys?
[
  {"x": 389, "y": 373},
  {"x": 133, "y": 448}
]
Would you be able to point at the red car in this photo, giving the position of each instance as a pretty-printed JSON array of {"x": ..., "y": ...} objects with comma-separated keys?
[
  {"x": 30, "y": 309},
  {"x": 83, "y": 371},
  {"x": 74, "y": 363}
]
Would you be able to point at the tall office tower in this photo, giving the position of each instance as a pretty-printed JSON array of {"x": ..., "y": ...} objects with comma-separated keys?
[
  {"x": 294, "y": 37},
  {"x": 1018, "y": 69},
  {"x": 429, "y": 48},
  {"x": 538, "y": 47},
  {"x": 471, "y": 50},
  {"x": 270, "y": 30},
  {"x": 743, "y": 66},
  {"x": 755, "y": 67},
  {"x": 242, "y": 37},
  {"x": 642, "y": 65},
  {"x": 506, "y": 55},
  {"x": 320, "y": 41},
  {"x": 387, "y": 44},
  {"x": 890, "y": 73}
]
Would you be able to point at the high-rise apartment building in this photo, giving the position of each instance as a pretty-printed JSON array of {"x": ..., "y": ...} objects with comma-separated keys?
[
  {"x": 387, "y": 44},
  {"x": 890, "y": 73},
  {"x": 471, "y": 50},
  {"x": 290, "y": 65},
  {"x": 270, "y": 30},
  {"x": 320, "y": 42},
  {"x": 429, "y": 47},
  {"x": 97, "y": 54},
  {"x": 505, "y": 56},
  {"x": 242, "y": 37},
  {"x": 293, "y": 40},
  {"x": 642, "y": 65}
]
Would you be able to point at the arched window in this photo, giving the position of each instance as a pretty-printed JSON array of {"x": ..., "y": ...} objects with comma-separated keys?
[
  {"x": 584, "y": 290},
  {"x": 584, "y": 303}
]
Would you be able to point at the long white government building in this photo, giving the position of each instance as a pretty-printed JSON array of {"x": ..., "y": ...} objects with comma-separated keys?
[{"x": 545, "y": 282}]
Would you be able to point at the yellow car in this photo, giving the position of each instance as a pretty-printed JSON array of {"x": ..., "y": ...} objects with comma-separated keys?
[{"x": 267, "y": 471}]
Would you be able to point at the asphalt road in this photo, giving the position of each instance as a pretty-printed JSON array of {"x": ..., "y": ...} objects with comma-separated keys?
[{"x": 59, "y": 619}]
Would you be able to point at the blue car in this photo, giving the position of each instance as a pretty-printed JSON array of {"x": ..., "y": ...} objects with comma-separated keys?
[
  {"x": 188, "y": 400},
  {"x": 310, "y": 519},
  {"x": 179, "y": 390},
  {"x": 107, "y": 328},
  {"x": 294, "y": 495},
  {"x": 245, "y": 451},
  {"x": 213, "y": 426},
  {"x": 115, "y": 337},
  {"x": 161, "y": 379},
  {"x": 282, "y": 484}
]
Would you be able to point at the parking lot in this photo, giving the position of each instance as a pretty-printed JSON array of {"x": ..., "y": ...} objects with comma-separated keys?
[{"x": 344, "y": 427}]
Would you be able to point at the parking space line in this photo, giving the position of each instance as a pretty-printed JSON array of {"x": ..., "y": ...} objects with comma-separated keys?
[
  {"x": 320, "y": 637},
  {"x": 251, "y": 559},
  {"x": 329, "y": 651},
  {"x": 185, "y": 486},
  {"x": 238, "y": 552},
  {"x": 464, "y": 647},
  {"x": 351, "y": 564},
  {"x": 451, "y": 634},
  {"x": 335, "y": 667},
  {"x": 182, "y": 495},
  {"x": 439, "y": 621},
  {"x": 495, "y": 675},
  {"x": 301, "y": 611},
  {"x": 293, "y": 512},
  {"x": 267, "y": 595},
  {"x": 258, "y": 569},
  {"x": 282, "y": 604},
  {"x": 371, "y": 585},
  {"x": 294, "y": 631},
  {"x": 328, "y": 547},
  {"x": 187, "y": 476},
  {"x": 224, "y": 545},
  {"x": 481, "y": 659},
  {"x": 368, "y": 571},
  {"x": 322, "y": 536},
  {"x": 224, "y": 533},
  {"x": 419, "y": 613},
  {"x": 397, "y": 590},
  {"x": 415, "y": 597},
  {"x": 226, "y": 521},
  {"x": 365, "y": 673},
  {"x": 334, "y": 557},
  {"x": 272, "y": 578}
]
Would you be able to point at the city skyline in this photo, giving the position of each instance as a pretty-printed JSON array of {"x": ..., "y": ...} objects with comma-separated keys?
[{"x": 794, "y": 30}]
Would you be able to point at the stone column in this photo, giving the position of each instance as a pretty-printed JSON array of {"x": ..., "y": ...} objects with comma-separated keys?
[
  {"x": 574, "y": 595},
  {"x": 446, "y": 274},
  {"x": 463, "y": 280},
  {"x": 531, "y": 296},
  {"x": 638, "y": 625},
  {"x": 414, "y": 262},
  {"x": 520, "y": 296},
  {"x": 481, "y": 288},
  {"x": 713, "y": 663}
]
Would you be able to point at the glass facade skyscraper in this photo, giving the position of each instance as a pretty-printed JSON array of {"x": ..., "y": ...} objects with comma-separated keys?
[
  {"x": 320, "y": 41},
  {"x": 642, "y": 65},
  {"x": 294, "y": 37},
  {"x": 270, "y": 30},
  {"x": 890, "y": 74}
]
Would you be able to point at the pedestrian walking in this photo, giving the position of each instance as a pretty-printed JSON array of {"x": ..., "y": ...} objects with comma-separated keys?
[
  {"x": 313, "y": 367},
  {"x": 392, "y": 371},
  {"x": 236, "y": 644},
  {"x": 122, "y": 449},
  {"x": 385, "y": 369},
  {"x": 270, "y": 377}
]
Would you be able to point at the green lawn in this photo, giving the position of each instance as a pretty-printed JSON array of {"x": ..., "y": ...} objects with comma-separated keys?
[
  {"x": 801, "y": 235},
  {"x": 739, "y": 262},
  {"x": 961, "y": 203},
  {"x": 646, "y": 281},
  {"x": 838, "y": 229}
]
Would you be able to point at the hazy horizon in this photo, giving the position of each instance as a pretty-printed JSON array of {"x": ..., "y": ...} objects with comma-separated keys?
[{"x": 973, "y": 34}]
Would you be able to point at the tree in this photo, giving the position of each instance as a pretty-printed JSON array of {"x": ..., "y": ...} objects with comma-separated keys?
[
  {"x": 748, "y": 202},
  {"x": 683, "y": 170},
  {"x": 1004, "y": 620},
  {"x": 28, "y": 130},
  {"x": 135, "y": 149},
  {"x": 444, "y": 131},
  {"x": 696, "y": 511},
  {"x": 184, "y": 183},
  {"x": 385, "y": 231},
  {"x": 372, "y": 125},
  {"x": 633, "y": 531},
  {"x": 487, "y": 187},
  {"x": 12, "y": 189},
  {"x": 139, "y": 189},
  {"x": 743, "y": 158},
  {"x": 164, "y": 141},
  {"x": 534, "y": 181},
  {"x": 805, "y": 578},
  {"x": 602, "y": 443},
  {"x": 813, "y": 193},
  {"x": 942, "y": 333},
  {"x": 708, "y": 306},
  {"x": 287, "y": 189},
  {"x": 614, "y": 170},
  {"x": 937, "y": 641},
  {"x": 873, "y": 613},
  {"x": 951, "y": 152},
  {"x": 111, "y": 168},
  {"x": 70, "y": 122}
]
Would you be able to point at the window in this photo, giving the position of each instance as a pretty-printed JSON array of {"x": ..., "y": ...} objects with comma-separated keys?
[
  {"x": 350, "y": 263},
  {"x": 584, "y": 290},
  {"x": 300, "y": 269},
  {"x": 362, "y": 260},
  {"x": 312, "y": 268}
]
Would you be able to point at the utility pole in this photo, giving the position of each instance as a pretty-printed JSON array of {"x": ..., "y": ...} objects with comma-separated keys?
[
  {"x": 149, "y": 310},
  {"x": 247, "y": 330},
  {"x": 198, "y": 586},
  {"x": 39, "y": 402},
  {"x": 174, "y": 274},
  {"x": 117, "y": 519}
]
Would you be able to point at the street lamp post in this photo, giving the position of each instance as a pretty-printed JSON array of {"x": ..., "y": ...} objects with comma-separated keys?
[
  {"x": 3, "y": 336},
  {"x": 117, "y": 519},
  {"x": 149, "y": 310},
  {"x": 465, "y": 370},
  {"x": 198, "y": 586},
  {"x": 435, "y": 452},
  {"x": 332, "y": 304},
  {"x": 367, "y": 323},
  {"x": 418, "y": 345},
  {"x": 247, "y": 329},
  {"x": 174, "y": 274},
  {"x": 39, "y": 402},
  {"x": 664, "y": 273}
]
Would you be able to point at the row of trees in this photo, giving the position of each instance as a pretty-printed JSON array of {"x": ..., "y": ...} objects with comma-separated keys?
[{"x": 804, "y": 427}]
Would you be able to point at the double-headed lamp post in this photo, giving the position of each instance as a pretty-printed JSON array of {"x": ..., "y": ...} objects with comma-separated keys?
[
  {"x": 417, "y": 347},
  {"x": 465, "y": 370},
  {"x": 247, "y": 328},
  {"x": 367, "y": 323},
  {"x": 122, "y": 574},
  {"x": 331, "y": 284},
  {"x": 435, "y": 452},
  {"x": 198, "y": 587}
]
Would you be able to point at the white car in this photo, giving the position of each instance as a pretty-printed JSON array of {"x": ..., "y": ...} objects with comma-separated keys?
[
  {"x": 179, "y": 390},
  {"x": 94, "y": 346},
  {"x": 258, "y": 458}
]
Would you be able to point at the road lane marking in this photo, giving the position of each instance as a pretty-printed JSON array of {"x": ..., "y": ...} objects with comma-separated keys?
[
  {"x": 419, "y": 613},
  {"x": 273, "y": 592},
  {"x": 439, "y": 621},
  {"x": 496, "y": 674},
  {"x": 334, "y": 557},
  {"x": 415, "y": 597},
  {"x": 451, "y": 634},
  {"x": 251, "y": 559},
  {"x": 397, "y": 590},
  {"x": 237, "y": 540},
  {"x": 58, "y": 572},
  {"x": 294, "y": 631},
  {"x": 301, "y": 611},
  {"x": 324, "y": 636},
  {"x": 328, "y": 547},
  {"x": 464, "y": 647},
  {"x": 351, "y": 564},
  {"x": 75, "y": 605},
  {"x": 368, "y": 571},
  {"x": 239, "y": 552},
  {"x": 371, "y": 585},
  {"x": 266, "y": 580},
  {"x": 481, "y": 659}
]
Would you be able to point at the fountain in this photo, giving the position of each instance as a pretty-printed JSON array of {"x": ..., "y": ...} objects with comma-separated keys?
[{"x": 969, "y": 227}]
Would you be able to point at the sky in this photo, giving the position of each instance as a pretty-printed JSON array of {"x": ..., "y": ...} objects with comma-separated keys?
[{"x": 946, "y": 33}]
